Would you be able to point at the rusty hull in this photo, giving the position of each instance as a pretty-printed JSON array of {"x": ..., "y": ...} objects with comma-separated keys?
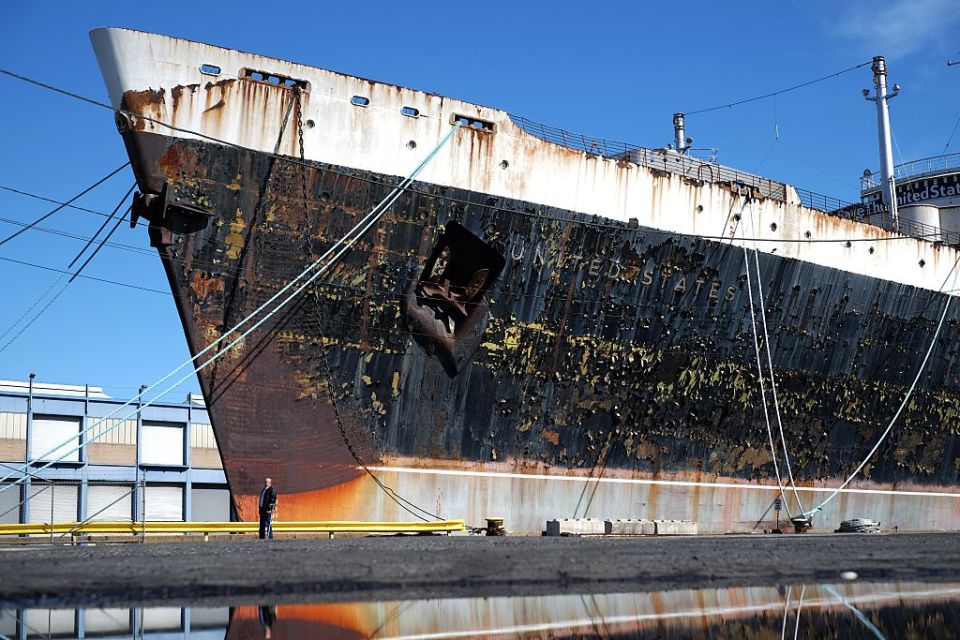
[{"x": 610, "y": 348}]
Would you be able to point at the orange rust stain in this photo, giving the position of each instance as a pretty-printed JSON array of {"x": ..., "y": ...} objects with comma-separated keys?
[
  {"x": 177, "y": 92},
  {"x": 203, "y": 285},
  {"x": 171, "y": 162},
  {"x": 341, "y": 502},
  {"x": 552, "y": 436},
  {"x": 353, "y": 616},
  {"x": 146, "y": 103},
  {"x": 355, "y": 620},
  {"x": 139, "y": 101},
  {"x": 218, "y": 105}
]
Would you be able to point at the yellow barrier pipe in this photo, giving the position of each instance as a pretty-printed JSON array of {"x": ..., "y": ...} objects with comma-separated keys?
[{"x": 83, "y": 528}]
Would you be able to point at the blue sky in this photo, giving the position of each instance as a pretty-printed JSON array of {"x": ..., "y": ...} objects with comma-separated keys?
[{"x": 612, "y": 69}]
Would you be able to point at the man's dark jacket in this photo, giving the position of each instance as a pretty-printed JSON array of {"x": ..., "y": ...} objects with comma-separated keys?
[{"x": 267, "y": 502}]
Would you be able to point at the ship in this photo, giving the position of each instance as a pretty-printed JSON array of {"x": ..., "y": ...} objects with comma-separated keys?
[{"x": 541, "y": 324}]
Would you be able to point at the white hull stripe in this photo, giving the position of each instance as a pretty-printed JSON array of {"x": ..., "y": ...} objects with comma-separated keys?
[{"x": 670, "y": 483}]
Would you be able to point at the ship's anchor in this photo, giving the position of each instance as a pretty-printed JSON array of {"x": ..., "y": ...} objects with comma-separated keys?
[{"x": 446, "y": 306}]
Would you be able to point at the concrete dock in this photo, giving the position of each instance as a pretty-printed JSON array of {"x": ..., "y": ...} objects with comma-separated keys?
[{"x": 373, "y": 568}]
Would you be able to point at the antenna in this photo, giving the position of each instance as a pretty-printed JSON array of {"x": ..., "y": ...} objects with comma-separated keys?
[
  {"x": 951, "y": 63},
  {"x": 881, "y": 97}
]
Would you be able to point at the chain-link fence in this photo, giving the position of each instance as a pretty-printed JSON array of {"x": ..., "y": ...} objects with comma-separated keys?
[{"x": 65, "y": 506}]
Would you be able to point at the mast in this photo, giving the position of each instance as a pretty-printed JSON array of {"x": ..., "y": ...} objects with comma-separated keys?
[{"x": 881, "y": 97}]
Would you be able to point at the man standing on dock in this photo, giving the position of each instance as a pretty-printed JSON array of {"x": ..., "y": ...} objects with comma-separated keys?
[{"x": 268, "y": 502}]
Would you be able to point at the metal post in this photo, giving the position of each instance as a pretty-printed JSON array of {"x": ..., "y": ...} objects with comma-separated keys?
[
  {"x": 679, "y": 135},
  {"x": 25, "y": 503},
  {"x": 188, "y": 463},
  {"x": 881, "y": 97},
  {"x": 141, "y": 484},
  {"x": 53, "y": 495}
]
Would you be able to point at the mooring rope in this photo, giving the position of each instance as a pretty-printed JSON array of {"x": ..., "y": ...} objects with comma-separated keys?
[
  {"x": 906, "y": 397},
  {"x": 357, "y": 232},
  {"x": 773, "y": 381},
  {"x": 756, "y": 349}
]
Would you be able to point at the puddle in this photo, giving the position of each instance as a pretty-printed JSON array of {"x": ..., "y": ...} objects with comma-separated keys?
[{"x": 844, "y": 610}]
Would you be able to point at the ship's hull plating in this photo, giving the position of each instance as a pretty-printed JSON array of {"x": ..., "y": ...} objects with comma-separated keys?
[{"x": 616, "y": 376}]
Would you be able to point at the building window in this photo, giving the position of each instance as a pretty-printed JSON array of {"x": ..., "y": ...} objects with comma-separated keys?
[
  {"x": 162, "y": 443},
  {"x": 55, "y": 438},
  {"x": 9, "y": 505},
  {"x": 109, "y": 502},
  {"x": 56, "y": 501},
  {"x": 163, "y": 503}
]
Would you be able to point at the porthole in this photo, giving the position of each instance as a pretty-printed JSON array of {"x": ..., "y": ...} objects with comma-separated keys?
[
  {"x": 807, "y": 235},
  {"x": 309, "y": 124},
  {"x": 210, "y": 69},
  {"x": 410, "y": 112},
  {"x": 359, "y": 101},
  {"x": 773, "y": 226},
  {"x": 922, "y": 263},
  {"x": 412, "y": 144},
  {"x": 504, "y": 164}
]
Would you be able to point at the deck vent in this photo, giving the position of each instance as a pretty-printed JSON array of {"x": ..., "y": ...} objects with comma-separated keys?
[
  {"x": 473, "y": 123},
  {"x": 210, "y": 69},
  {"x": 410, "y": 112},
  {"x": 359, "y": 101},
  {"x": 275, "y": 79}
]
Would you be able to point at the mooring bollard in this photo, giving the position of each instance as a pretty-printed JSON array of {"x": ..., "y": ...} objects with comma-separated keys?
[{"x": 495, "y": 527}]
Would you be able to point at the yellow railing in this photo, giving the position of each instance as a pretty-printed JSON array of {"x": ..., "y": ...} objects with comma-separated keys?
[{"x": 330, "y": 527}]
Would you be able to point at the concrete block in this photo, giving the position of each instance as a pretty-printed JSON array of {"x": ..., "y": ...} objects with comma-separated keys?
[
  {"x": 676, "y": 527},
  {"x": 630, "y": 527},
  {"x": 575, "y": 527}
]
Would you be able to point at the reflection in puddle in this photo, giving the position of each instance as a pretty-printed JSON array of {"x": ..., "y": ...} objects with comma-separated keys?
[{"x": 850, "y": 610}]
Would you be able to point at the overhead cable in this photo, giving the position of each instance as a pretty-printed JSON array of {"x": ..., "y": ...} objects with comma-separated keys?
[
  {"x": 950, "y": 139},
  {"x": 99, "y": 246},
  {"x": 37, "y": 196},
  {"x": 105, "y": 223},
  {"x": 707, "y": 110},
  {"x": 81, "y": 238},
  {"x": 58, "y": 208},
  {"x": 29, "y": 319},
  {"x": 86, "y": 277}
]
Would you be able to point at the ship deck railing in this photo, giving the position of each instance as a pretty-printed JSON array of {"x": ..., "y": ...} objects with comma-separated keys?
[
  {"x": 914, "y": 169},
  {"x": 695, "y": 168},
  {"x": 657, "y": 159}
]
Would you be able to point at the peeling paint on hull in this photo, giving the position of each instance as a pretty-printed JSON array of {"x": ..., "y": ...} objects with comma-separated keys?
[{"x": 610, "y": 349}]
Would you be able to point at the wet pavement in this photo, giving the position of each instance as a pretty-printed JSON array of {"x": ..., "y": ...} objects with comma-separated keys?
[
  {"x": 850, "y": 586},
  {"x": 848, "y": 609}
]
